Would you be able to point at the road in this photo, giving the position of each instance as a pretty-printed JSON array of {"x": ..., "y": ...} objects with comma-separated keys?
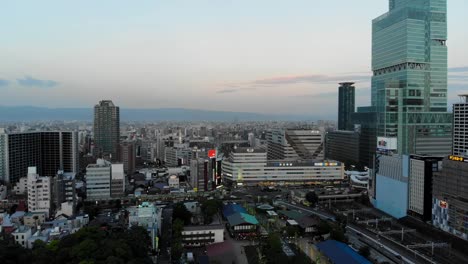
[{"x": 322, "y": 215}]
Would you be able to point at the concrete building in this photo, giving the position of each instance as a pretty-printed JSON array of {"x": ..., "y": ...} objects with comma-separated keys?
[
  {"x": 343, "y": 146},
  {"x": 295, "y": 145},
  {"x": 197, "y": 236},
  {"x": 201, "y": 174},
  {"x": 450, "y": 197},
  {"x": 128, "y": 156},
  {"x": 64, "y": 191},
  {"x": 460, "y": 127},
  {"x": 21, "y": 235},
  {"x": 247, "y": 166},
  {"x": 118, "y": 181},
  {"x": 421, "y": 170},
  {"x": 34, "y": 219},
  {"x": 39, "y": 192},
  {"x": 346, "y": 105},
  {"x": 21, "y": 187},
  {"x": 98, "y": 180},
  {"x": 106, "y": 129},
  {"x": 173, "y": 181},
  {"x": 409, "y": 82},
  {"x": 47, "y": 151}
]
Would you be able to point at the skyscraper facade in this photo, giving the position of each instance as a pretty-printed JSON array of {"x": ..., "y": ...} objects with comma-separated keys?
[
  {"x": 346, "y": 105},
  {"x": 409, "y": 83},
  {"x": 295, "y": 145},
  {"x": 106, "y": 129},
  {"x": 47, "y": 151},
  {"x": 460, "y": 127}
]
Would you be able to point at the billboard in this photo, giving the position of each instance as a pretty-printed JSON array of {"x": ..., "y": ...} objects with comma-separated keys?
[
  {"x": 387, "y": 143},
  {"x": 212, "y": 153}
]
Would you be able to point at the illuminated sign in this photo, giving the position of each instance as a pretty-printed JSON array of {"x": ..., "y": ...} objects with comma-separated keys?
[
  {"x": 212, "y": 153},
  {"x": 456, "y": 158},
  {"x": 443, "y": 204},
  {"x": 326, "y": 164},
  {"x": 386, "y": 143}
]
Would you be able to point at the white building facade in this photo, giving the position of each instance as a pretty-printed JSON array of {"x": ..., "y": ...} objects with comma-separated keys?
[{"x": 39, "y": 192}]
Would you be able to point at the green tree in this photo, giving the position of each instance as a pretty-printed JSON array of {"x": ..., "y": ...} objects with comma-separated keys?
[
  {"x": 209, "y": 209},
  {"x": 181, "y": 212},
  {"x": 274, "y": 242},
  {"x": 323, "y": 227},
  {"x": 312, "y": 198}
]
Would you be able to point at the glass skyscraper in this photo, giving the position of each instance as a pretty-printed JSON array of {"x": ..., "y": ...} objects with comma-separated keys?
[
  {"x": 409, "y": 83},
  {"x": 346, "y": 105}
]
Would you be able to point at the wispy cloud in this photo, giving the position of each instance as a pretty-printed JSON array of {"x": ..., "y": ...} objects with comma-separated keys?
[
  {"x": 333, "y": 94},
  {"x": 32, "y": 82},
  {"x": 280, "y": 81},
  {"x": 235, "y": 90},
  {"x": 4, "y": 82},
  {"x": 313, "y": 78},
  {"x": 458, "y": 69}
]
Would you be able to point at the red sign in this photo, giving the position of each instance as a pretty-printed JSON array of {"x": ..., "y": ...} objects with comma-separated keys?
[
  {"x": 212, "y": 153},
  {"x": 443, "y": 204}
]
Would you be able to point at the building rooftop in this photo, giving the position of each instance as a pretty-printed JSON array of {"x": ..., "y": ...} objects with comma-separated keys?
[
  {"x": 340, "y": 253},
  {"x": 242, "y": 218},
  {"x": 203, "y": 227}
]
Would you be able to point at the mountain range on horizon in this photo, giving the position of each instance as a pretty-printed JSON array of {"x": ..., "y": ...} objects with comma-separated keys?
[{"x": 33, "y": 113}]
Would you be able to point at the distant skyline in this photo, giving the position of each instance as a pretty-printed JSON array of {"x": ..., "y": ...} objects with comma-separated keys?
[{"x": 262, "y": 56}]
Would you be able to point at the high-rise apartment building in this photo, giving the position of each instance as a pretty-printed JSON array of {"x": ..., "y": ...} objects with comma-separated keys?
[
  {"x": 409, "y": 82},
  {"x": 106, "y": 129},
  {"x": 346, "y": 105},
  {"x": 39, "y": 192},
  {"x": 295, "y": 145},
  {"x": 460, "y": 127},
  {"x": 49, "y": 152}
]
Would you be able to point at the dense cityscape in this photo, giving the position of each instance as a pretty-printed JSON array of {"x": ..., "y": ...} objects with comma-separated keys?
[{"x": 385, "y": 182}]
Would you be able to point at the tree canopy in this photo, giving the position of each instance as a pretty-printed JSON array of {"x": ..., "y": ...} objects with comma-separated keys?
[{"x": 88, "y": 245}]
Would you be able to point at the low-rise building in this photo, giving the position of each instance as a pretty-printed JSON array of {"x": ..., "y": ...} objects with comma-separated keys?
[
  {"x": 146, "y": 215},
  {"x": 195, "y": 236},
  {"x": 173, "y": 182},
  {"x": 21, "y": 235},
  {"x": 34, "y": 219}
]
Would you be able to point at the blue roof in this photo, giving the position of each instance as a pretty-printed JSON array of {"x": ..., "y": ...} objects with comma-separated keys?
[
  {"x": 340, "y": 253},
  {"x": 241, "y": 218},
  {"x": 231, "y": 209}
]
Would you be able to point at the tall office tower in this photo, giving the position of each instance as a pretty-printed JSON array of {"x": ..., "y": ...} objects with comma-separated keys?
[
  {"x": 201, "y": 174},
  {"x": 106, "y": 129},
  {"x": 450, "y": 198},
  {"x": 409, "y": 82},
  {"x": 127, "y": 155},
  {"x": 346, "y": 105},
  {"x": 47, "y": 151},
  {"x": 460, "y": 127},
  {"x": 39, "y": 192},
  {"x": 295, "y": 145}
]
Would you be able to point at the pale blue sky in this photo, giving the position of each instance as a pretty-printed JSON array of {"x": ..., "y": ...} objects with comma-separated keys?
[{"x": 244, "y": 55}]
